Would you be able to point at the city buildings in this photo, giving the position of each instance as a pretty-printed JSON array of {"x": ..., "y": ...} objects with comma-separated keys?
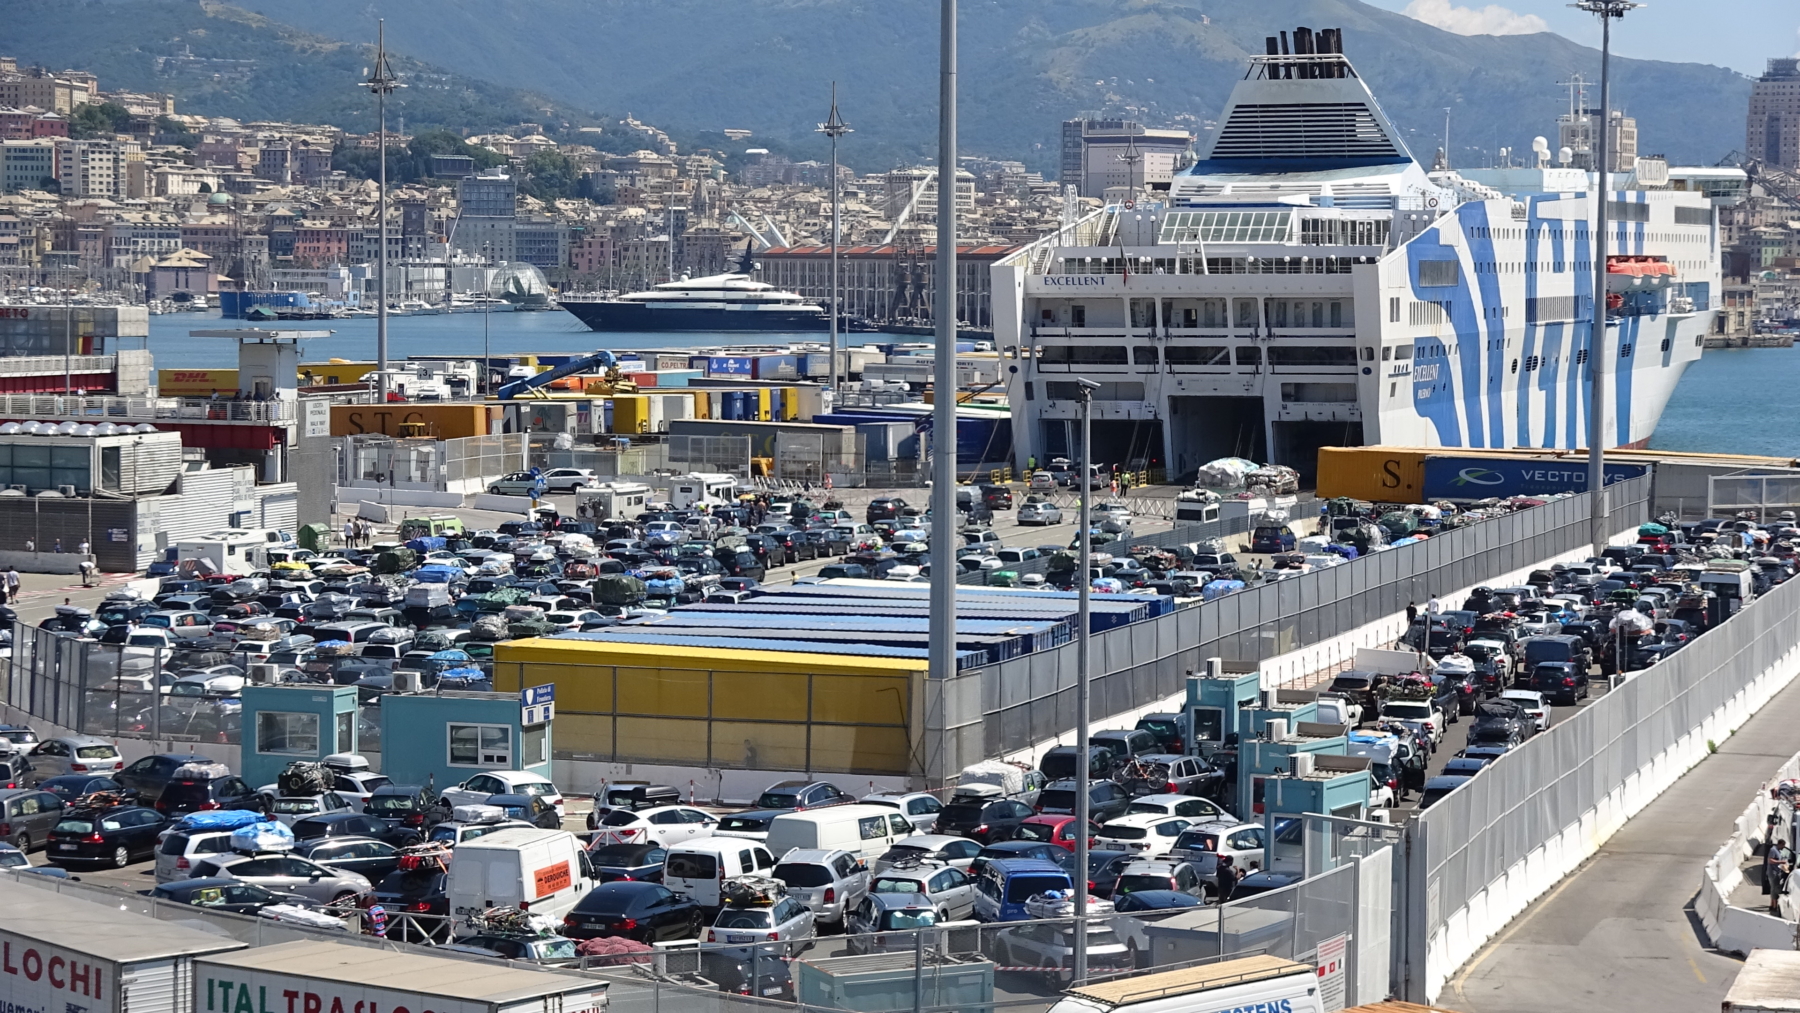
[
  {"x": 1097, "y": 154},
  {"x": 1772, "y": 134}
]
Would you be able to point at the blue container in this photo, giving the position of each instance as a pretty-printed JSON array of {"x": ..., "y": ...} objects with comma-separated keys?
[
  {"x": 1456, "y": 478},
  {"x": 777, "y": 367},
  {"x": 734, "y": 405}
]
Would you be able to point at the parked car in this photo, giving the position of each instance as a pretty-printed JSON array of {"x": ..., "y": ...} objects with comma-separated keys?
[
  {"x": 1041, "y": 850},
  {"x": 919, "y": 808},
  {"x": 27, "y": 815},
  {"x": 219, "y": 894},
  {"x": 476, "y": 790},
  {"x": 642, "y": 863},
  {"x": 1058, "y": 830},
  {"x": 287, "y": 874},
  {"x": 664, "y": 825},
  {"x": 348, "y": 824},
  {"x": 646, "y": 912},
  {"x": 180, "y": 848},
  {"x": 886, "y": 922},
  {"x": 1560, "y": 682},
  {"x": 1160, "y": 874},
  {"x": 778, "y": 929},
  {"x": 568, "y": 479},
  {"x": 519, "y": 483},
  {"x": 114, "y": 835},
  {"x": 80, "y": 754},
  {"x": 193, "y": 794},
  {"x": 1107, "y": 800},
  {"x": 290, "y": 809},
  {"x": 1532, "y": 702},
  {"x": 70, "y": 787},
  {"x": 1147, "y": 833},
  {"x": 801, "y": 795},
  {"x": 1172, "y": 774},
  {"x": 365, "y": 856},
  {"x": 1202, "y": 810},
  {"x": 983, "y": 821},
  {"x": 1039, "y": 514},
  {"x": 950, "y": 891},
  {"x": 1052, "y": 945},
  {"x": 827, "y": 882},
  {"x": 418, "y": 901},
  {"x": 957, "y": 852},
  {"x": 1203, "y": 845}
]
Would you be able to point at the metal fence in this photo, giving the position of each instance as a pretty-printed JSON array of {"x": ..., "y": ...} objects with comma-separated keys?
[
  {"x": 113, "y": 690},
  {"x": 1016, "y": 704},
  {"x": 1765, "y": 496},
  {"x": 1492, "y": 846}
]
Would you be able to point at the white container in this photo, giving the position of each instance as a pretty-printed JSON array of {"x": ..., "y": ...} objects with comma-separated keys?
[
  {"x": 329, "y": 976},
  {"x": 58, "y": 952}
]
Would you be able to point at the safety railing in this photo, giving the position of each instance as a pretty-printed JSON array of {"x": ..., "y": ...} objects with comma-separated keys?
[{"x": 145, "y": 409}]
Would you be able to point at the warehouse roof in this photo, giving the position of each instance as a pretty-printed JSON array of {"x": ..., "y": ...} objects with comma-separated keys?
[{"x": 447, "y": 977}]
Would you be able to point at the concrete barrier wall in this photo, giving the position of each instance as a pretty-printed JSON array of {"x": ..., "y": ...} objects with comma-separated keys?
[
  {"x": 1524, "y": 818},
  {"x": 43, "y": 562},
  {"x": 1736, "y": 929}
]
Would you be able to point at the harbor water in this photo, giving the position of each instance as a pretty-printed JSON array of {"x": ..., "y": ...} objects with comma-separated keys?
[{"x": 1734, "y": 400}]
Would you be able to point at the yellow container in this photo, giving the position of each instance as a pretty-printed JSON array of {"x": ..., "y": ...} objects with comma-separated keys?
[
  {"x": 196, "y": 382},
  {"x": 762, "y": 404},
  {"x": 790, "y": 404},
  {"x": 702, "y": 405},
  {"x": 631, "y": 413},
  {"x": 1376, "y": 474},
  {"x": 715, "y": 707}
]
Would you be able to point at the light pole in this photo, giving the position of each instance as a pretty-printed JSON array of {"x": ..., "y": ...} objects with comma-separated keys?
[
  {"x": 1084, "y": 593},
  {"x": 834, "y": 127},
  {"x": 1597, "y": 357},
  {"x": 942, "y": 637},
  {"x": 381, "y": 81},
  {"x": 487, "y": 316}
]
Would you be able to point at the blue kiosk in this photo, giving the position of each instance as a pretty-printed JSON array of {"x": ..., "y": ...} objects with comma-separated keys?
[{"x": 287, "y": 723}]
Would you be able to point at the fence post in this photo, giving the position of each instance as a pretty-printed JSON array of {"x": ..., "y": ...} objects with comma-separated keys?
[{"x": 918, "y": 970}]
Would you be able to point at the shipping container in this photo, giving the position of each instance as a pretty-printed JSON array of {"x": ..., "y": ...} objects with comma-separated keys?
[
  {"x": 60, "y": 953},
  {"x": 1101, "y": 617},
  {"x": 441, "y": 421},
  {"x": 324, "y": 977},
  {"x": 631, "y": 413},
  {"x": 745, "y": 642},
  {"x": 1377, "y": 474},
  {"x": 1465, "y": 477},
  {"x": 993, "y": 648},
  {"x": 196, "y": 382},
  {"x": 741, "y": 366},
  {"x": 1033, "y": 636},
  {"x": 776, "y": 367}
]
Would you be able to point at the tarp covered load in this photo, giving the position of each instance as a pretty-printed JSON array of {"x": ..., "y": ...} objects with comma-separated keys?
[
  {"x": 304, "y": 778},
  {"x": 1224, "y": 473},
  {"x": 618, "y": 589},
  {"x": 219, "y": 819},
  {"x": 264, "y": 836}
]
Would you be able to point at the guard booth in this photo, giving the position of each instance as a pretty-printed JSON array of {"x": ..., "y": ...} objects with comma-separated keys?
[
  {"x": 287, "y": 723},
  {"x": 445, "y": 740}
]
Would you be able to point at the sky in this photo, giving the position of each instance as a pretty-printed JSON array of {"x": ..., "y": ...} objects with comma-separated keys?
[{"x": 1740, "y": 34}]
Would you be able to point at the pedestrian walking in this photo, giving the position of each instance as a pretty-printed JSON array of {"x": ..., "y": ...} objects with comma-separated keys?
[
  {"x": 30, "y": 546},
  {"x": 349, "y": 532},
  {"x": 1780, "y": 867},
  {"x": 1433, "y": 606},
  {"x": 12, "y": 583},
  {"x": 58, "y": 546},
  {"x": 82, "y": 548},
  {"x": 1412, "y": 613}
]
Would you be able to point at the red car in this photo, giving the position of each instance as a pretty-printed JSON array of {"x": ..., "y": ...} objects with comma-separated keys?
[{"x": 1057, "y": 830}]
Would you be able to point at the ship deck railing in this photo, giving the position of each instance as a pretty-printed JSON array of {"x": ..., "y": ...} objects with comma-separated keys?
[{"x": 184, "y": 410}]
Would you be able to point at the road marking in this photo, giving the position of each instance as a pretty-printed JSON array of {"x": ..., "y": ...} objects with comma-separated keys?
[
  {"x": 1696, "y": 968},
  {"x": 1487, "y": 950}
]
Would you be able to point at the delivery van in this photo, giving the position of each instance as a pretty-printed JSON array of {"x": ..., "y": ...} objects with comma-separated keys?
[
  {"x": 543, "y": 871},
  {"x": 1250, "y": 983},
  {"x": 697, "y": 868},
  {"x": 866, "y": 831}
]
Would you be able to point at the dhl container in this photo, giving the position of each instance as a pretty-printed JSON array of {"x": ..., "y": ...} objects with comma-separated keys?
[
  {"x": 442, "y": 421},
  {"x": 631, "y": 413},
  {"x": 718, "y": 706},
  {"x": 334, "y": 371},
  {"x": 1377, "y": 474},
  {"x": 196, "y": 382}
]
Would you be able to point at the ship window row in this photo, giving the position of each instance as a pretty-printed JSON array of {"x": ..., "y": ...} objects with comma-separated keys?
[
  {"x": 1226, "y": 227},
  {"x": 1221, "y": 356},
  {"x": 1209, "y": 265},
  {"x": 1196, "y": 314},
  {"x": 1344, "y": 231}
]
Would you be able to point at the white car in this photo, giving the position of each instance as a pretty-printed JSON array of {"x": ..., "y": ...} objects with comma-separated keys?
[
  {"x": 568, "y": 479},
  {"x": 1039, "y": 513},
  {"x": 476, "y": 790},
  {"x": 1151, "y": 833},
  {"x": 664, "y": 825},
  {"x": 1533, "y": 703},
  {"x": 1321, "y": 560},
  {"x": 573, "y": 620},
  {"x": 1188, "y": 806},
  {"x": 1418, "y": 715},
  {"x": 1117, "y": 512},
  {"x": 291, "y": 809},
  {"x": 1043, "y": 481}
]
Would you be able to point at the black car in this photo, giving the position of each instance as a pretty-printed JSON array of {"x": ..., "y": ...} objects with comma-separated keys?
[
  {"x": 399, "y": 805},
  {"x": 1104, "y": 867},
  {"x": 646, "y": 912},
  {"x": 1500, "y": 722},
  {"x": 219, "y": 894},
  {"x": 750, "y": 821},
  {"x": 769, "y": 552},
  {"x": 1560, "y": 681},
  {"x": 367, "y": 856},
  {"x": 149, "y": 775},
  {"x": 885, "y": 508},
  {"x": 983, "y": 821},
  {"x": 114, "y": 835},
  {"x": 1263, "y": 882},
  {"x": 351, "y": 825},
  {"x": 1107, "y": 800},
  {"x": 797, "y": 795},
  {"x": 418, "y": 904},
  {"x": 742, "y": 562},
  {"x": 70, "y": 787},
  {"x": 193, "y": 794},
  {"x": 642, "y": 863},
  {"x": 1059, "y": 762},
  {"x": 532, "y": 809}
]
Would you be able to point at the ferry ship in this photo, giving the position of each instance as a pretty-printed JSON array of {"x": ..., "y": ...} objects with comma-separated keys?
[
  {"x": 1308, "y": 283},
  {"x": 720, "y": 302}
]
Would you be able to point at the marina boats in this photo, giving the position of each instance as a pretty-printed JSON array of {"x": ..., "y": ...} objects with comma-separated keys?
[
  {"x": 720, "y": 302},
  {"x": 1308, "y": 283}
]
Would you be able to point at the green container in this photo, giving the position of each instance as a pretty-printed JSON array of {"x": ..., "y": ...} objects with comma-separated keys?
[{"x": 316, "y": 537}]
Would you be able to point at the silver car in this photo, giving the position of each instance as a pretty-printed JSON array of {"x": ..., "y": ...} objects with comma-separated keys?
[
  {"x": 767, "y": 930},
  {"x": 287, "y": 874},
  {"x": 919, "y": 808},
  {"x": 829, "y": 883},
  {"x": 957, "y": 852},
  {"x": 1052, "y": 944},
  {"x": 951, "y": 891},
  {"x": 1039, "y": 513},
  {"x": 74, "y": 754},
  {"x": 291, "y": 809}
]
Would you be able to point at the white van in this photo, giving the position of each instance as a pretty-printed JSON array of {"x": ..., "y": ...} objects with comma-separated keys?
[
  {"x": 695, "y": 869},
  {"x": 543, "y": 871},
  {"x": 1248, "y": 983},
  {"x": 866, "y": 831}
]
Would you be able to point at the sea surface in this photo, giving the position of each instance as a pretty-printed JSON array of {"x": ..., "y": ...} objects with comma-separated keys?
[{"x": 1737, "y": 401}]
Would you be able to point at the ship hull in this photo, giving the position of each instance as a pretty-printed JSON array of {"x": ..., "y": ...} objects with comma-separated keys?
[{"x": 638, "y": 317}]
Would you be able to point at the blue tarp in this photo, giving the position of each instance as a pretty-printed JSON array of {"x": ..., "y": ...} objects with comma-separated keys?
[
  {"x": 1220, "y": 588},
  {"x": 262, "y": 836},
  {"x": 220, "y": 819},
  {"x": 426, "y": 543},
  {"x": 436, "y": 574}
]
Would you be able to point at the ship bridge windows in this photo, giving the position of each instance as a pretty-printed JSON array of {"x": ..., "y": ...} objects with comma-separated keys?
[
  {"x": 1280, "y": 265},
  {"x": 1226, "y": 226},
  {"x": 1334, "y": 231}
]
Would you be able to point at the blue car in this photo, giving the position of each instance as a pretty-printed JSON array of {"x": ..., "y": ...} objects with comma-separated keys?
[
  {"x": 1005, "y": 884},
  {"x": 1268, "y": 539}
]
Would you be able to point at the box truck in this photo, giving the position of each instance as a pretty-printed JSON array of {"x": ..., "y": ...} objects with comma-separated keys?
[{"x": 543, "y": 871}]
